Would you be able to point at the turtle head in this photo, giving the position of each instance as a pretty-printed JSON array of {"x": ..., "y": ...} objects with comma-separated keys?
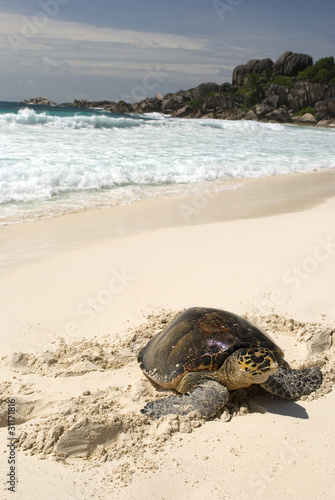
[{"x": 249, "y": 366}]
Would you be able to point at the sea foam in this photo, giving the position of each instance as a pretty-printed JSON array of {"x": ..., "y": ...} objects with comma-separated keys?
[{"x": 79, "y": 158}]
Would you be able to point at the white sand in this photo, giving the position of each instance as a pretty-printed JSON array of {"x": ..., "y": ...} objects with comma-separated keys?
[{"x": 106, "y": 281}]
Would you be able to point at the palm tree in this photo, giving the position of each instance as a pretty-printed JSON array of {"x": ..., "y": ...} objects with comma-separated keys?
[{"x": 254, "y": 89}]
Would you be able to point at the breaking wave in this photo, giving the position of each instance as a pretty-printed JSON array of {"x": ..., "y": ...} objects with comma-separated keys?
[{"x": 58, "y": 154}]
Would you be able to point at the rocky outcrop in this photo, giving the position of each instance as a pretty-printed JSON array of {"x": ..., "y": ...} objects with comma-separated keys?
[
  {"x": 120, "y": 107},
  {"x": 184, "y": 112},
  {"x": 263, "y": 109},
  {"x": 40, "y": 100},
  {"x": 326, "y": 123},
  {"x": 330, "y": 94},
  {"x": 148, "y": 106},
  {"x": 166, "y": 104},
  {"x": 231, "y": 114},
  {"x": 326, "y": 109},
  {"x": 269, "y": 109},
  {"x": 219, "y": 102},
  {"x": 204, "y": 100},
  {"x": 306, "y": 119},
  {"x": 288, "y": 64},
  {"x": 252, "y": 66},
  {"x": 226, "y": 101},
  {"x": 250, "y": 115},
  {"x": 223, "y": 102},
  {"x": 291, "y": 63},
  {"x": 204, "y": 89},
  {"x": 302, "y": 95},
  {"x": 279, "y": 92},
  {"x": 280, "y": 115},
  {"x": 305, "y": 94},
  {"x": 83, "y": 103}
]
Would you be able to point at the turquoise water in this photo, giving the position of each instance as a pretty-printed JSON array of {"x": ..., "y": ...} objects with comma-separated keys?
[{"x": 59, "y": 159}]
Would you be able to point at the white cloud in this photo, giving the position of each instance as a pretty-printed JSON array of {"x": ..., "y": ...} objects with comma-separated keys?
[
  {"x": 26, "y": 28},
  {"x": 54, "y": 64},
  {"x": 81, "y": 49}
]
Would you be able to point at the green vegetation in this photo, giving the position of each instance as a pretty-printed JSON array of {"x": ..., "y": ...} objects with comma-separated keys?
[
  {"x": 303, "y": 111},
  {"x": 255, "y": 85},
  {"x": 286, "y": 81},
  {"x": 245, "y": 108},
  {"x": 253, "y": 89},
  {"x": 226, "y": 89},
  {"x": 196, "y": 103},
  {"x": 322, "y": 71}
]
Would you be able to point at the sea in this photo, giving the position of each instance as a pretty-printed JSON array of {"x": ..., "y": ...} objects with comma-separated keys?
[{"x": 60, "y": 159}]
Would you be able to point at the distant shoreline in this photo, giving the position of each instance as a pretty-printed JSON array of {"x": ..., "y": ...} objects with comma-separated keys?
[
  {"x": 121, "y": 107},
  {"x": 290, "y": 90}
]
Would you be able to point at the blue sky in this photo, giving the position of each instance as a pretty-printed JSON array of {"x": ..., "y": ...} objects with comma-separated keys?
[{"x": 106, "y": 49}]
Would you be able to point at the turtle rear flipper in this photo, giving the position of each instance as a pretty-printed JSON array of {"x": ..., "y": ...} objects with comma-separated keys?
[
  {"x": 206, "y": 399},
  {"x": 291, "y": 384}
]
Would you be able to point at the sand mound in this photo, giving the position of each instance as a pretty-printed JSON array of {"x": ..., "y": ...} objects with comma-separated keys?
[
  {"x": 313, "y": 345},
  {"x": 80, "y": 403}
]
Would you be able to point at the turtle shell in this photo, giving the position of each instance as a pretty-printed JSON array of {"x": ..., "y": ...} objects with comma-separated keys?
[{"x": 199, "y": 339}]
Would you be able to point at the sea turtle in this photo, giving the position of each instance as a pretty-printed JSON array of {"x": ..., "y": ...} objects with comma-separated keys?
[{"x": 204, "y": 353}]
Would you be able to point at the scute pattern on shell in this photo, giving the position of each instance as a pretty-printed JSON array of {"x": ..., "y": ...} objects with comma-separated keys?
[{"x": 199, "y": 339}]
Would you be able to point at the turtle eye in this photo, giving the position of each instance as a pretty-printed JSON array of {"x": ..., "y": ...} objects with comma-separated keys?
[{"x": 247, "y": 369}]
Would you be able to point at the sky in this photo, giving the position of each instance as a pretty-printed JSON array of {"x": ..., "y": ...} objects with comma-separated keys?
[{"x": 133, "y": 49}]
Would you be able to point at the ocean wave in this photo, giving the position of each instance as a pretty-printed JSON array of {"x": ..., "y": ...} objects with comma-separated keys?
[
  {"x": 29, "y": 117},
  {"x": 49, "y": 156},
  {"x": 93, "y": 119}
]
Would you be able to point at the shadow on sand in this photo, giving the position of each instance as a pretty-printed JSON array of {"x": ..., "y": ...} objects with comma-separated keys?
[{"x": 283, "y": 407}]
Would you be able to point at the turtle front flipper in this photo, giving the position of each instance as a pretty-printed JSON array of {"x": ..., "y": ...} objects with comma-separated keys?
[
  {"x": 207, "y": 399},
  {"x": 291, "y": 384}
]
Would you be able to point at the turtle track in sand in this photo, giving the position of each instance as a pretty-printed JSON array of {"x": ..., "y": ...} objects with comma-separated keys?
[{"x": 79, "y": 402}]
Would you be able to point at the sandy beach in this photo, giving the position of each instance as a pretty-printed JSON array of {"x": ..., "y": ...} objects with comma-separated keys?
[{"x": 82, "y": 293}]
